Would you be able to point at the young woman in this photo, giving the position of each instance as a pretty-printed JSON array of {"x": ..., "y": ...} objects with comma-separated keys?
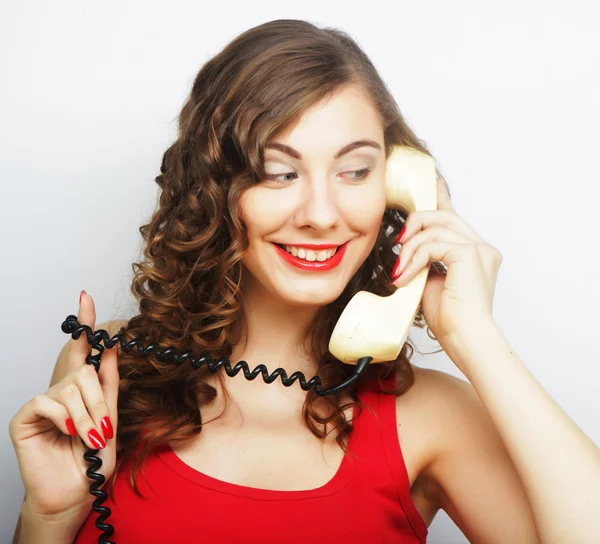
[{"x": 282, "y": 147}]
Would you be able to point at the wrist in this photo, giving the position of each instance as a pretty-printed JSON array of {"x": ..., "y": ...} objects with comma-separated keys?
[
  {"x": 38, "y": 529},
  {"x": 469, "y": 346}
]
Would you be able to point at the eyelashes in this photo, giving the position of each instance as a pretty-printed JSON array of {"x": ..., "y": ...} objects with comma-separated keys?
[{"x": 364, "y": 172}]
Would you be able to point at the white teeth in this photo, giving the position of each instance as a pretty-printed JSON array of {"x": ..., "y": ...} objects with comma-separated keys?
[{"x": 311, "y": 255}]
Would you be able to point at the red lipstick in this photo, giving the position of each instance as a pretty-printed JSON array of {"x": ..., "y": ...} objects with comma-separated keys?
[
  {"x": 317, "y": 247},
  {"x": 313, "y": 266}
]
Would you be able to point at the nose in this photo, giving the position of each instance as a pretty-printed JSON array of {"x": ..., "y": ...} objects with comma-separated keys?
[{"x": 318, "y": 206}]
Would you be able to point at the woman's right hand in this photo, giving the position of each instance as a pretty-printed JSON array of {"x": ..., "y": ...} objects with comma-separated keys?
[{"x": 50, "y": 457}]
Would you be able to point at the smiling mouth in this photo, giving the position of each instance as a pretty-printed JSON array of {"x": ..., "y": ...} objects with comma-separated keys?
[
  {"x": 309, "y": 255},
  {"x": 313, "y": 260}
]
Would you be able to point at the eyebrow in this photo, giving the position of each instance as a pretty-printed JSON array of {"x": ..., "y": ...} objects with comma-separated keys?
[{"x": 346, "y": 149}]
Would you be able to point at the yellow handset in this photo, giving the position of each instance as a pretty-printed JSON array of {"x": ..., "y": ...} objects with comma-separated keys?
[{"x": 374, "y": 326}]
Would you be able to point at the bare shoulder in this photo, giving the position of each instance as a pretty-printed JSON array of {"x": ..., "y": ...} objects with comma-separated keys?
[
  {"x": 460, "y": 461},
  {"x": 435, "y": 400},
  {"x": 430, "y": 416},
  {"x": 435, "y": 412},
  {"x": 439, "y": 394},
  {"x": 112, "y": 327},
  {"x": 446, "y": 405}
]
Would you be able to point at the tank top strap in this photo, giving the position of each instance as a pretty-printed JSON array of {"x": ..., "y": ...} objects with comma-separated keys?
[
  {"x": 368, "y": 424},
  {"x": 378, "y": 444}
]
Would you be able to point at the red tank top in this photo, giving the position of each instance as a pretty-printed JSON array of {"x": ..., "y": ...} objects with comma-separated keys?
[{"x": 367, "y": 500}]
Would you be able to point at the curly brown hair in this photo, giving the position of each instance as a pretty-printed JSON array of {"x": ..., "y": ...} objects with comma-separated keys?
[{"x": 188, "y": 282}]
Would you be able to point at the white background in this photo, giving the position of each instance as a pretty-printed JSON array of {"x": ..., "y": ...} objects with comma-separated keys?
[{"x": 505, "y": 94}]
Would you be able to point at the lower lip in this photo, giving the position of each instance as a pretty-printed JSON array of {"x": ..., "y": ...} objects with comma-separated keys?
[{"x": 313, "y": 266}]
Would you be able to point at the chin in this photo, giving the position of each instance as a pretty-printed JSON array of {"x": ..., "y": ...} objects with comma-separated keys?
[{"x": 310, "y": 296}]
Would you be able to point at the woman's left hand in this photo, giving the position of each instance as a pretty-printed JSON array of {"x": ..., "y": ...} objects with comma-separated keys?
[{"x": 462, "y": 297}]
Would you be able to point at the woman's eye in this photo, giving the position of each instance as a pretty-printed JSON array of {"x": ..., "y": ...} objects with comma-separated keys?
[
  {"x": 362, "y": 174},
  {"x": 273, "y": 177}
]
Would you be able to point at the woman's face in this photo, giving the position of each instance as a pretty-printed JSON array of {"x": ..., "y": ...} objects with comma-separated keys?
[{"x": 316, "y": 194}]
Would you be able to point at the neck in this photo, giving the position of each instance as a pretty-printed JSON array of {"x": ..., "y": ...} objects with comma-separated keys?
[
  {"x": 271, "y": 332},
  {"x": 274, "y": 335}
]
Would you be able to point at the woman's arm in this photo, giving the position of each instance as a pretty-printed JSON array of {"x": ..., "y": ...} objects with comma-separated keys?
[
  {"x": 557, "y": 463},
  {"x": 33, "y": 530}
]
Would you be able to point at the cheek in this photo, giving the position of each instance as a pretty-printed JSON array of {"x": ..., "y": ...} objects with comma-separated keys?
[
  {"x": 257, "y": 212},
  {"x": 365, "y": 211},
  {"x": 262, "y": 214}
]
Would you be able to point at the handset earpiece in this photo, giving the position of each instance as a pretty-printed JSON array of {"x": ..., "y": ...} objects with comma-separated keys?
[{"x": 378, "y": 326}]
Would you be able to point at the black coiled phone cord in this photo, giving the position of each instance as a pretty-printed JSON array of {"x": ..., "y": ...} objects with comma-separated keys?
[{"x": 96, "y": 338}]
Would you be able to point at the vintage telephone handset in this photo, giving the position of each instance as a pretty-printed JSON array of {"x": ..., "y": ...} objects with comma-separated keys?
[{"x": 370, "y": 324}]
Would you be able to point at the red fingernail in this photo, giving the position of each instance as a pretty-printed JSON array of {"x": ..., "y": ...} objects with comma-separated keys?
[
  {"x": 81, "y": 295},
  {"x": 394, "y": 277},
  {"x": 401, "y": 235},
  {"x": 71, "y": 427},
  {"x": 106, "y": 427},
  {"x": 96, "y": 439}
]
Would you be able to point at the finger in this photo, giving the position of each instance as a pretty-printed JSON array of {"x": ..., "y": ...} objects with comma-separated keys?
[
  {"x": 443, "y": 196},
  {"x": 108, "y": 376},
  {"x": 444, "y": 252},
  {"x": 71, "y": 396},
  {"x": 86, "y": 316},
  {"x": 420, "y": 220},
  {"x": 435, "y": 233},
  {"x": 92, "y": 393},
  {"x": 28, "y": 420}
]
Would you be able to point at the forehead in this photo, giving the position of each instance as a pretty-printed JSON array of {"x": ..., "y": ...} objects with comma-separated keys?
[{"x": 347, "y": 115}]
